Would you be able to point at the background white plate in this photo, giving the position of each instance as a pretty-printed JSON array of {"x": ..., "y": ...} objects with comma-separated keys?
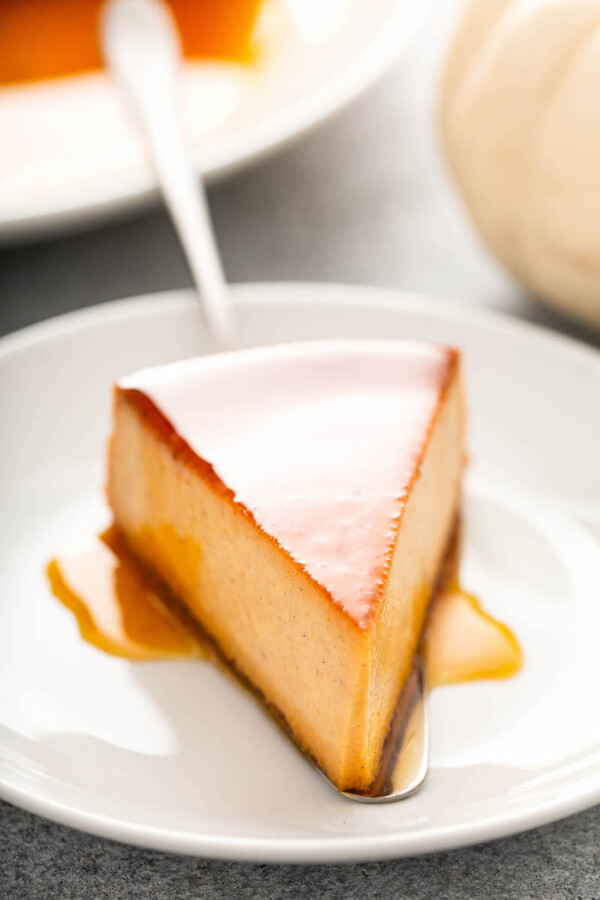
[
  {"x": 70, "y": 152},
  {"x": 173, "y": 755}
]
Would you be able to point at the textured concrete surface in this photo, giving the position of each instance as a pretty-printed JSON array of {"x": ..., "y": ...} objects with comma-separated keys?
[
  {"x": 365, "y": 199},
  {"x": 43, "y": 861}
]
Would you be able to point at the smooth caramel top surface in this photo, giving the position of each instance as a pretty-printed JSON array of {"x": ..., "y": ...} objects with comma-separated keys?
[{"x": 320, "y": 442}]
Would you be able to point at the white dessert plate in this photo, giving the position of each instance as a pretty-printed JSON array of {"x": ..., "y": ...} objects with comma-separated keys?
[
  {"x": 172, "y": 755},
  {"x": 70, "y": 151}
]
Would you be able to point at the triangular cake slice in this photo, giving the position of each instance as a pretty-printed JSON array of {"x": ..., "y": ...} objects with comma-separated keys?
[{"x": 299, "y": 500}]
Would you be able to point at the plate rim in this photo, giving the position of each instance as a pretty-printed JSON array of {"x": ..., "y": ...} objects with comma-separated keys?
[
  {"x": 302, "y": 850},
  {"x": 243, "y": 293},
  {"x": 263, "y": 140}
]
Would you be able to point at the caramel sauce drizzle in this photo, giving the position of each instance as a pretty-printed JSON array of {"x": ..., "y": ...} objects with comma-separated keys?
[
  {"x": 464, "y": 643},
  {"x": 118, "y": 607}
]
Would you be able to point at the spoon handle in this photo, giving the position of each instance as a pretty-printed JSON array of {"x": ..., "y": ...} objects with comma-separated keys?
[{"x": 141, "y": 46}]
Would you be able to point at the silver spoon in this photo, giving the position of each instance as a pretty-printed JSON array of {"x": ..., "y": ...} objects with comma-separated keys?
[
  {"x": 141, "y": 46},
  {"x": 405, "y": 758}
]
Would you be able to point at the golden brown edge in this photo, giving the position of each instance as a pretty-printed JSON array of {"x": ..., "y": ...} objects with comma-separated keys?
[{"x": 181, "y": 450}]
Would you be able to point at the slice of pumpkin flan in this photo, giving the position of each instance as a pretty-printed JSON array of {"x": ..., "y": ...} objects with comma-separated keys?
[{"x": 299, "y": 501}]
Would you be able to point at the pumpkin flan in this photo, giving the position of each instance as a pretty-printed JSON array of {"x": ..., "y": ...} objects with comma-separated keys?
[{"x": 298, "y": 501}]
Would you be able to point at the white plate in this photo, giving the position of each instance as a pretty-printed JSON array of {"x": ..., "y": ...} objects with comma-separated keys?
[
  {"x": 173, "y": 755},
  {"x": 70, "y": 152}
]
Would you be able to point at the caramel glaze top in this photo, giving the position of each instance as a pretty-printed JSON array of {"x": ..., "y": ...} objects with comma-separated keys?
[{"x": 319, "y": 442}]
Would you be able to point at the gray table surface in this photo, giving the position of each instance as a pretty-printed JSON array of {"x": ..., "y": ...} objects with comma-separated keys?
[{"x": 365, "y": 199}]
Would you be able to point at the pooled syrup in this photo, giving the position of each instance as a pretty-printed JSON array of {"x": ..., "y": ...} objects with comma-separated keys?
[
  {"x": 464, "y": 643},
  {"x": 119, "y": 608}
]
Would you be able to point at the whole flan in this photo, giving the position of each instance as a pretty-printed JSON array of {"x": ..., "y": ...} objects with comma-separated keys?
[{"x": 299, "y": 501}]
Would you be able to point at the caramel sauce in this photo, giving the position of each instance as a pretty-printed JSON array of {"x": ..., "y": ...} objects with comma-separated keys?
[
  {"x": 49, "y": 38},
  {"x": 122, "y": 611},
  {"x": 464, "y": 643},
  {"x": 118, "y": 607}
]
